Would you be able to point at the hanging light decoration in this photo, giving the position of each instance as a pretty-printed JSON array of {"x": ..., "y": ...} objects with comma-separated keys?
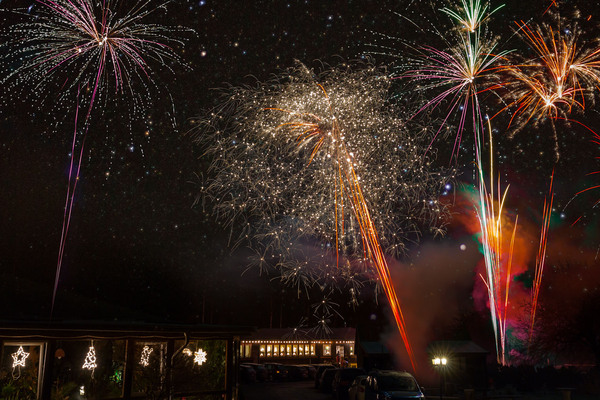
[
  {"x": 90, "y": 360},
  {"x": 145, "y": 358},
  {"x": 200, "y": 357},
  {"x": 19, "y": 358}
]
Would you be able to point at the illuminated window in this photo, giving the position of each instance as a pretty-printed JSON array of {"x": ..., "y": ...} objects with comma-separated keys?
[
  {"x": 295, "y": 350},
  {"x": 306, "y": 349},
  {"x": 289, "y": 350},
  {"x": 268, "y": 350},
  {"x": 245, "y": 351},
  {"x": 326, "y": 349},
  {"x": 275, "y": 350},
  {"x": 312, "y": 349},
  {"x": 262, "y": 350},
  {"x": 351, "y": 350}
]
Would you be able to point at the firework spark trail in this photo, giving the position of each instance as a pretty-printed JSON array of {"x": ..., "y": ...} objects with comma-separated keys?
[
  {"x": 323, "y": 158},
  {"x": 541, "y": 256},
  {"x": 87, "y": 47},
  {"x": 552, "y": 3},
  {"x": 498, "y": 259}
]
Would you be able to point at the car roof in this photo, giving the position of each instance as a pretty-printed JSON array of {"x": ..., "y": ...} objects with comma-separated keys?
[{"x": 390, "y": 372}]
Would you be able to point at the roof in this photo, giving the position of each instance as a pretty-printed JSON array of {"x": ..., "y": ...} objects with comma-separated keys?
[
  {"x": 340, "y": 334},
  {"x": 116, "y": 330},
  {"x": 456, "y": 347}
]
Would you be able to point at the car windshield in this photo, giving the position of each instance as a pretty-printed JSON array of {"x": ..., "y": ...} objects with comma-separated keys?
[{"x": 394, "y": 382}]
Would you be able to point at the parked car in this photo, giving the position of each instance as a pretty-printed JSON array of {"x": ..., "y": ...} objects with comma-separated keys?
[
  {"x": 342, "y": 380},
  {"x": 320, "y": 369},
  {"x": 357, "y": 388},
  {"x": 296, "y": 372},
  {"x": 262, "y": 374},
  {"x": 327, "y": 379},
  {"x": 311, "y": 370},
  {"x": 277, "y": 372},
  {"x": 392, "y": 385},
  {"x": 247, "y": 374}
]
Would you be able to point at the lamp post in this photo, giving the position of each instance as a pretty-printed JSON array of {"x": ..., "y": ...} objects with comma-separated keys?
[{"x": 439, "y": 363}]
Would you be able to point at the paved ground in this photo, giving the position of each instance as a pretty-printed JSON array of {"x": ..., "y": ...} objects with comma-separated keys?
[{"x": 302, "y": 390}]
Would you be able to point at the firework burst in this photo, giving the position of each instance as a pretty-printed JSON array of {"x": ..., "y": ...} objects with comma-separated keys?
[
  {"x": 81, "y": 51},
  {"x": 100, "y": 49},
  {"x": 461, "y": 73},
  {"x": 323, "y": 161}
]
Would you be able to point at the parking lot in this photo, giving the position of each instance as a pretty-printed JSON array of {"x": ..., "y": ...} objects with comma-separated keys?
[{"x": 300, "y": 390}]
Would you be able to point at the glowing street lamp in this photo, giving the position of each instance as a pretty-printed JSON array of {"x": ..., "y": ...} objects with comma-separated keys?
[
  {"x": 437, "y": 362},
  {"x": 440, "y": 363}
]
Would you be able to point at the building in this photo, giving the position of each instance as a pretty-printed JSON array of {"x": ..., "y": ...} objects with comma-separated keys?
[
  {"x": 289, "y": 346},
  {"x": 119, "y": 361}
]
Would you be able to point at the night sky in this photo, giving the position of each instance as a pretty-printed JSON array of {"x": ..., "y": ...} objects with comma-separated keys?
[{"x": 138, "y": 248}]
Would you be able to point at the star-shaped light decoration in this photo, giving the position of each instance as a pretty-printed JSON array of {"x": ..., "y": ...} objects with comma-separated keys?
[
  {"x": 145, "y": 358},
  {"x": 200, "y": 357},
  {"x": 19, "y": 357},
  {"x": 90, "y": 359}
]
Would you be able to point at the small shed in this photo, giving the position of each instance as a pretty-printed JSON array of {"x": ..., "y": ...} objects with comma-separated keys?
[
  {"x": 374, "y": 355},
  {"x": 466, "y": 363}
]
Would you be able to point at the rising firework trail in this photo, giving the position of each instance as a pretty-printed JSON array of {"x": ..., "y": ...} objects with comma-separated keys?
[
  {"x": 323, "y": 159},
  {"x": 541, "y": 256},
  {"x": 497, "y": 252},
  {"x": 89, "y": 51}
]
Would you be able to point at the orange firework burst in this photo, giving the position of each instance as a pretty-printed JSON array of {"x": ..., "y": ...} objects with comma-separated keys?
[{"x": 561, "y": 78}]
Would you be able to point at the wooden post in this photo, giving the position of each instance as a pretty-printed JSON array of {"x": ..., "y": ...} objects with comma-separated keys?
[
  {"x": 169, "y": 371},
  {"x": 47, "y": 370},
  {"x": 128, "y": 370},
  {"x": 232, "y": 370}
]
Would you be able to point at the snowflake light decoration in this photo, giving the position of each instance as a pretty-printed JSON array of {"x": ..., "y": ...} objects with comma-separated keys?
[
  {"x": 200, "y": 357},
  {"x": 145, "y": 358}
]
